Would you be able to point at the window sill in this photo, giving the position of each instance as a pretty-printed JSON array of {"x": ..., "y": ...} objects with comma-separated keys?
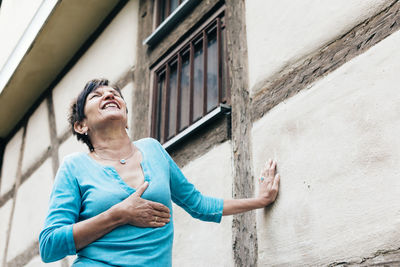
[
  {"x": 211, "y": 116},
  {"x": 181, "y": 11}
]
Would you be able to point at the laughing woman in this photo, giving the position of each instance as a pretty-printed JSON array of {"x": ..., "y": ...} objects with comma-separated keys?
[{"x": 113, "y": 205}]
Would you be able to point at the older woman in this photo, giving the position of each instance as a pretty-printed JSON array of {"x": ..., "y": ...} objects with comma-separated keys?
[{"x": 112, "y": 206}]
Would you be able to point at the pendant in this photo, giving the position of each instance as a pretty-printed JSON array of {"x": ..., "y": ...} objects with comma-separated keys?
[{"x": 122, "y": 161}]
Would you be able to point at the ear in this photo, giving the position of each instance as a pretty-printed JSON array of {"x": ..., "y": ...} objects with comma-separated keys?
[{"x": 80, "y": 127}]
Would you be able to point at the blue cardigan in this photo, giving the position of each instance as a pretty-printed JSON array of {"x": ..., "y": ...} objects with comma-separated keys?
[{"x": 84, "y": 188}]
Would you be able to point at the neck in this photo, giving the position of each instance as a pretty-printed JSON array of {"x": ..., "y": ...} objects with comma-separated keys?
[{"x": 112, "y": 142}]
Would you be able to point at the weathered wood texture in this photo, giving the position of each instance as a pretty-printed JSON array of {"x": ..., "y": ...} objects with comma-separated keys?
[
  {"x": 24, "y": 258},
  {"x": 141, "y": 93},
  {"x": 147, "y": 56},
  {"x": 53, "y": 134},
  {"x": 380, "y": 258},
  {"x": 126, "y": 78},
  {"x": 201, "y": 141},
  {"x": 244, "y": 232},
  {"x": 315, "y": 66},
  {"x": 14, "y": 194}
]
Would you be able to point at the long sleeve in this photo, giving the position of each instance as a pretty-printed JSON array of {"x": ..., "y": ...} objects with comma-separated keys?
[
  {"x": 184, "y": 194},
  {"x": 56, "y": 239}
]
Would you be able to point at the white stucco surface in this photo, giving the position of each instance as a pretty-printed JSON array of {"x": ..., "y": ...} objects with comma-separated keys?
[
  {"x": 110, "y": 56},
  {"x": 71, "y": 145},
  {"x": 338, "y": 153},
  {"x": 30, "y": 209},
  {"x": 37, "y": 139},
  {"x": 281, "y": 32},
  {"x": 37, "y": 262},
  {"x": 10, "y": 163},
  {"x": 13, "y": 22},
  {"x": 203, "y": 243},
  {"x": 5, "y": 213},
  {"x": 70, "y": 259}
]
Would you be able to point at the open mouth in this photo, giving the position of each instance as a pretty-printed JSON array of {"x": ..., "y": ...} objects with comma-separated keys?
[{"x": 110, "y": 104}]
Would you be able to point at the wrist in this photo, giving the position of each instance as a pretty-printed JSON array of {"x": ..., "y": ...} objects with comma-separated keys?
[
  {"x": 261, "y": 202},
  {"x": 116, "y": 214}
]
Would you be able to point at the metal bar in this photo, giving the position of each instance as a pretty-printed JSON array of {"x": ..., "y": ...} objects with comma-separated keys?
[
  {"x": 154, "y": 109},
  {"x": 168, "y": 4},
  {"x": 191, "y": 82},
  {"x": 178, "y": 94},
  {"x": 220, "y": 76},
  {"x": 204, "y": 73},
  {"x": 166, "y": 105}
]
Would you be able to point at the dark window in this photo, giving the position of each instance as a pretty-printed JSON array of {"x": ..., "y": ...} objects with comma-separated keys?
[
  {"x": 191, "y": 81},
  {"x": 165, "y": 8}
]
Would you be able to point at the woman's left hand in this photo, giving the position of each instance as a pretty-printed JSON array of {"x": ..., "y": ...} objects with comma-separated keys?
[{"x": 268, "y": 183}]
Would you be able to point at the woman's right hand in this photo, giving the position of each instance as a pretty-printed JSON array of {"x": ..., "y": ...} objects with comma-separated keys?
[{"x": 140, "y": 212}]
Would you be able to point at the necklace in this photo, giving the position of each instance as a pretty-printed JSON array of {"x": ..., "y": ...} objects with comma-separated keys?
[{"x": 122, "y": 160}]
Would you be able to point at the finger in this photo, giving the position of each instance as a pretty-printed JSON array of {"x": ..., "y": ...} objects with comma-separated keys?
[
  {"x": 159, "y": 207},
  {"x": 158, "y": 221},
  {"x": 269, "y": 162},
  {"x": 271, "y": 170},
  {"x": 142, "y": 188},
  {"x": 264, "y": 169},
  {"x": 161, "y": 220},
  {"x": 159, "y": 214},
  {"x": 276, "y": 181},
  {"x": 157, "y": 224}
]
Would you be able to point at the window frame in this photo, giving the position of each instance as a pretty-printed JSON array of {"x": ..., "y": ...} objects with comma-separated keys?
[
  {"x": 163, "y": 28},
  {"x": 168, "y": 12},
  {"x": 216, "y": 22}
]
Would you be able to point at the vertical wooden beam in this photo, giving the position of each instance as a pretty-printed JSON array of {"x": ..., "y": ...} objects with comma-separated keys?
[
  {"x": 53, "y": 134},
  {"x": 141, "y": 95},
  {"x": 244, "y": 232},
  {"x": 16, "y": 187},
  {"x": 2, "y": 150}
]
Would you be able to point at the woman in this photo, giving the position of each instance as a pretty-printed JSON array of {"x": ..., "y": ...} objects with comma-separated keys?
[{"x": 112, "y": 206}]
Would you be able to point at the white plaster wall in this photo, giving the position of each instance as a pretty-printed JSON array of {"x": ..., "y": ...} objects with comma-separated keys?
[
  {"x": 71, "y": 145},
  {"x": 338, "y": 151},
  {"x": 70, "y": 259},
  {"x": 5, "y": 213},
  {"x": 281, "y": 32},
  {"x": 37, "y": 139},
  {"x": 111, "y": 55},
  {"x": 203, "y": 243},
  {"x": 30, "y": 210},
  {"x": 37, "y": 262},
  {"x": 10, "y": 163},
  {"x": 13, "y": 22}
]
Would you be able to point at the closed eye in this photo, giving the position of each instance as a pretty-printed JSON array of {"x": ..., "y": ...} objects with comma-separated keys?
[{"x": 93, "y": 96}]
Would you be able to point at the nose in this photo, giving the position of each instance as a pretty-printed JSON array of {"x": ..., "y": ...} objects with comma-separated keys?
[{"x": 108, "y": 95}]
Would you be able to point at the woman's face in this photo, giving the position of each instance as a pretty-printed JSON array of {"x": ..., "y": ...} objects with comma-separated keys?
[{"x": 104, "y": 104}]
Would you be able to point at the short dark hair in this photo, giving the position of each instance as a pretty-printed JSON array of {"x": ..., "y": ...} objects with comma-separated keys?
[{"x": 77, "y": 109}]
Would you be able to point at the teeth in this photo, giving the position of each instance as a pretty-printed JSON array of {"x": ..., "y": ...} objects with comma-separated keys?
[{"x": 110, "y": 105}]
